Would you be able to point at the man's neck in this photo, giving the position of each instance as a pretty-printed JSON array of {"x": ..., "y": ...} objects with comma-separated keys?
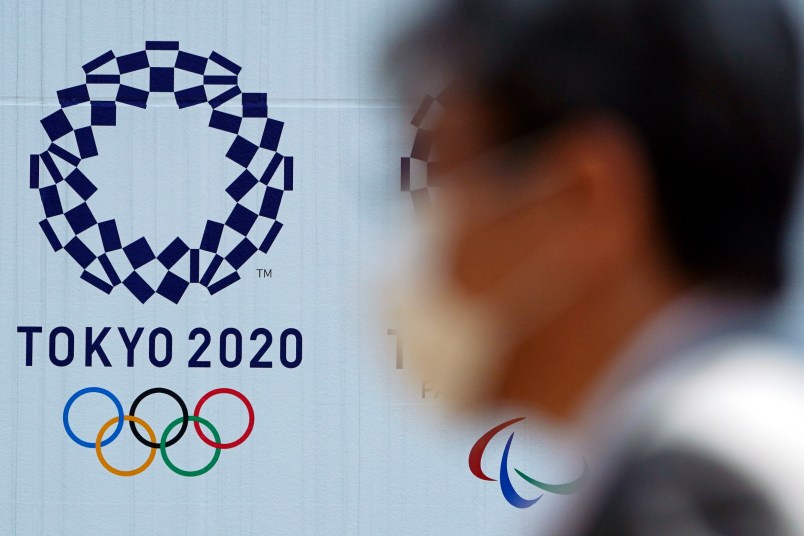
[{"x": 556, "y": 368}]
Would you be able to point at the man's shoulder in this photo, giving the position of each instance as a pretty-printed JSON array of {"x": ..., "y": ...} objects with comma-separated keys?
[
  {"x": 721, "y": 450},
  {"x": 735, "y": 397}
]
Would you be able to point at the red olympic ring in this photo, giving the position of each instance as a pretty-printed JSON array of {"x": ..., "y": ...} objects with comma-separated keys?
[{"x": 249, "y": 408}]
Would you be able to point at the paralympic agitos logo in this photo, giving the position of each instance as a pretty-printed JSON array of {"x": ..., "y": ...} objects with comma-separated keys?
[
  {"x": 165, "y": 441},
  {"x": 506, "y": 486}
]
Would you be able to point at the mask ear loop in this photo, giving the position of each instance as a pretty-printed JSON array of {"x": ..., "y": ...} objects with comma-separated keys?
[
  {"x": 510, "y": 289},
  {"x": 516, "y": 155}
]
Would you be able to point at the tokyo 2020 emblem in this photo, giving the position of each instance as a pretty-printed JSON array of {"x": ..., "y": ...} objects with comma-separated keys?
[{"x": 108, "y": 260}]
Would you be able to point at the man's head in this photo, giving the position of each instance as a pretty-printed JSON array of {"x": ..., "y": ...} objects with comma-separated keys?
[{"x": 601, "y": 156}]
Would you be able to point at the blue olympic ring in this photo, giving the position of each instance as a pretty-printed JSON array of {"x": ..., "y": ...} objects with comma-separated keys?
[{"x": 66, "y": 416}]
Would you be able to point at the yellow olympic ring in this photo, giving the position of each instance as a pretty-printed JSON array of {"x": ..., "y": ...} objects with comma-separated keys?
[{"x": 113, "y": 470}]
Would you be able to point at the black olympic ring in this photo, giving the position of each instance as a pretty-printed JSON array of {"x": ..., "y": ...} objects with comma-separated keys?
[{"x": 184, "y": 416}]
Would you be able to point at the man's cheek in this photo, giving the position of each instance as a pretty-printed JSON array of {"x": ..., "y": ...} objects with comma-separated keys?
[{"x": 473, "y": 263}]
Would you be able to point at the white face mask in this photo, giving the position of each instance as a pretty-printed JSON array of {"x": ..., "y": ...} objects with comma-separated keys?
[
  {"x": 448, "y": 338},
  {"x": 457, "y": 341}
]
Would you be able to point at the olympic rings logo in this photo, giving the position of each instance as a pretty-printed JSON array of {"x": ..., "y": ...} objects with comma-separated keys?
[{"x": 163, "y": 443}]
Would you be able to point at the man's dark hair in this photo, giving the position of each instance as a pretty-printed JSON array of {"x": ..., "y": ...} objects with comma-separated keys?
[{"x": 710, "y": 86}]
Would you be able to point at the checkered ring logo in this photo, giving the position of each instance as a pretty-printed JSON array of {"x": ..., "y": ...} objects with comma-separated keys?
[{"x": 66, "y": 191}]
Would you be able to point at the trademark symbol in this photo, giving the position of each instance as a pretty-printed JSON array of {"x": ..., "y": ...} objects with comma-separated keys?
[{"x": 262, "y": 273}]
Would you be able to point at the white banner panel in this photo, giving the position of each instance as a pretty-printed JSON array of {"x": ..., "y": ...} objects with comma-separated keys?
[{"x": 193, "y": 198}]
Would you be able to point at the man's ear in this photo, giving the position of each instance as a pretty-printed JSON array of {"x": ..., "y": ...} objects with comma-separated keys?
[{"x": 606, "y": 204}]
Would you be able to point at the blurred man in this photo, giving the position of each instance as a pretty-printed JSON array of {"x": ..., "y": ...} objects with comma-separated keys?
[{"x": 615, "y": 178}]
